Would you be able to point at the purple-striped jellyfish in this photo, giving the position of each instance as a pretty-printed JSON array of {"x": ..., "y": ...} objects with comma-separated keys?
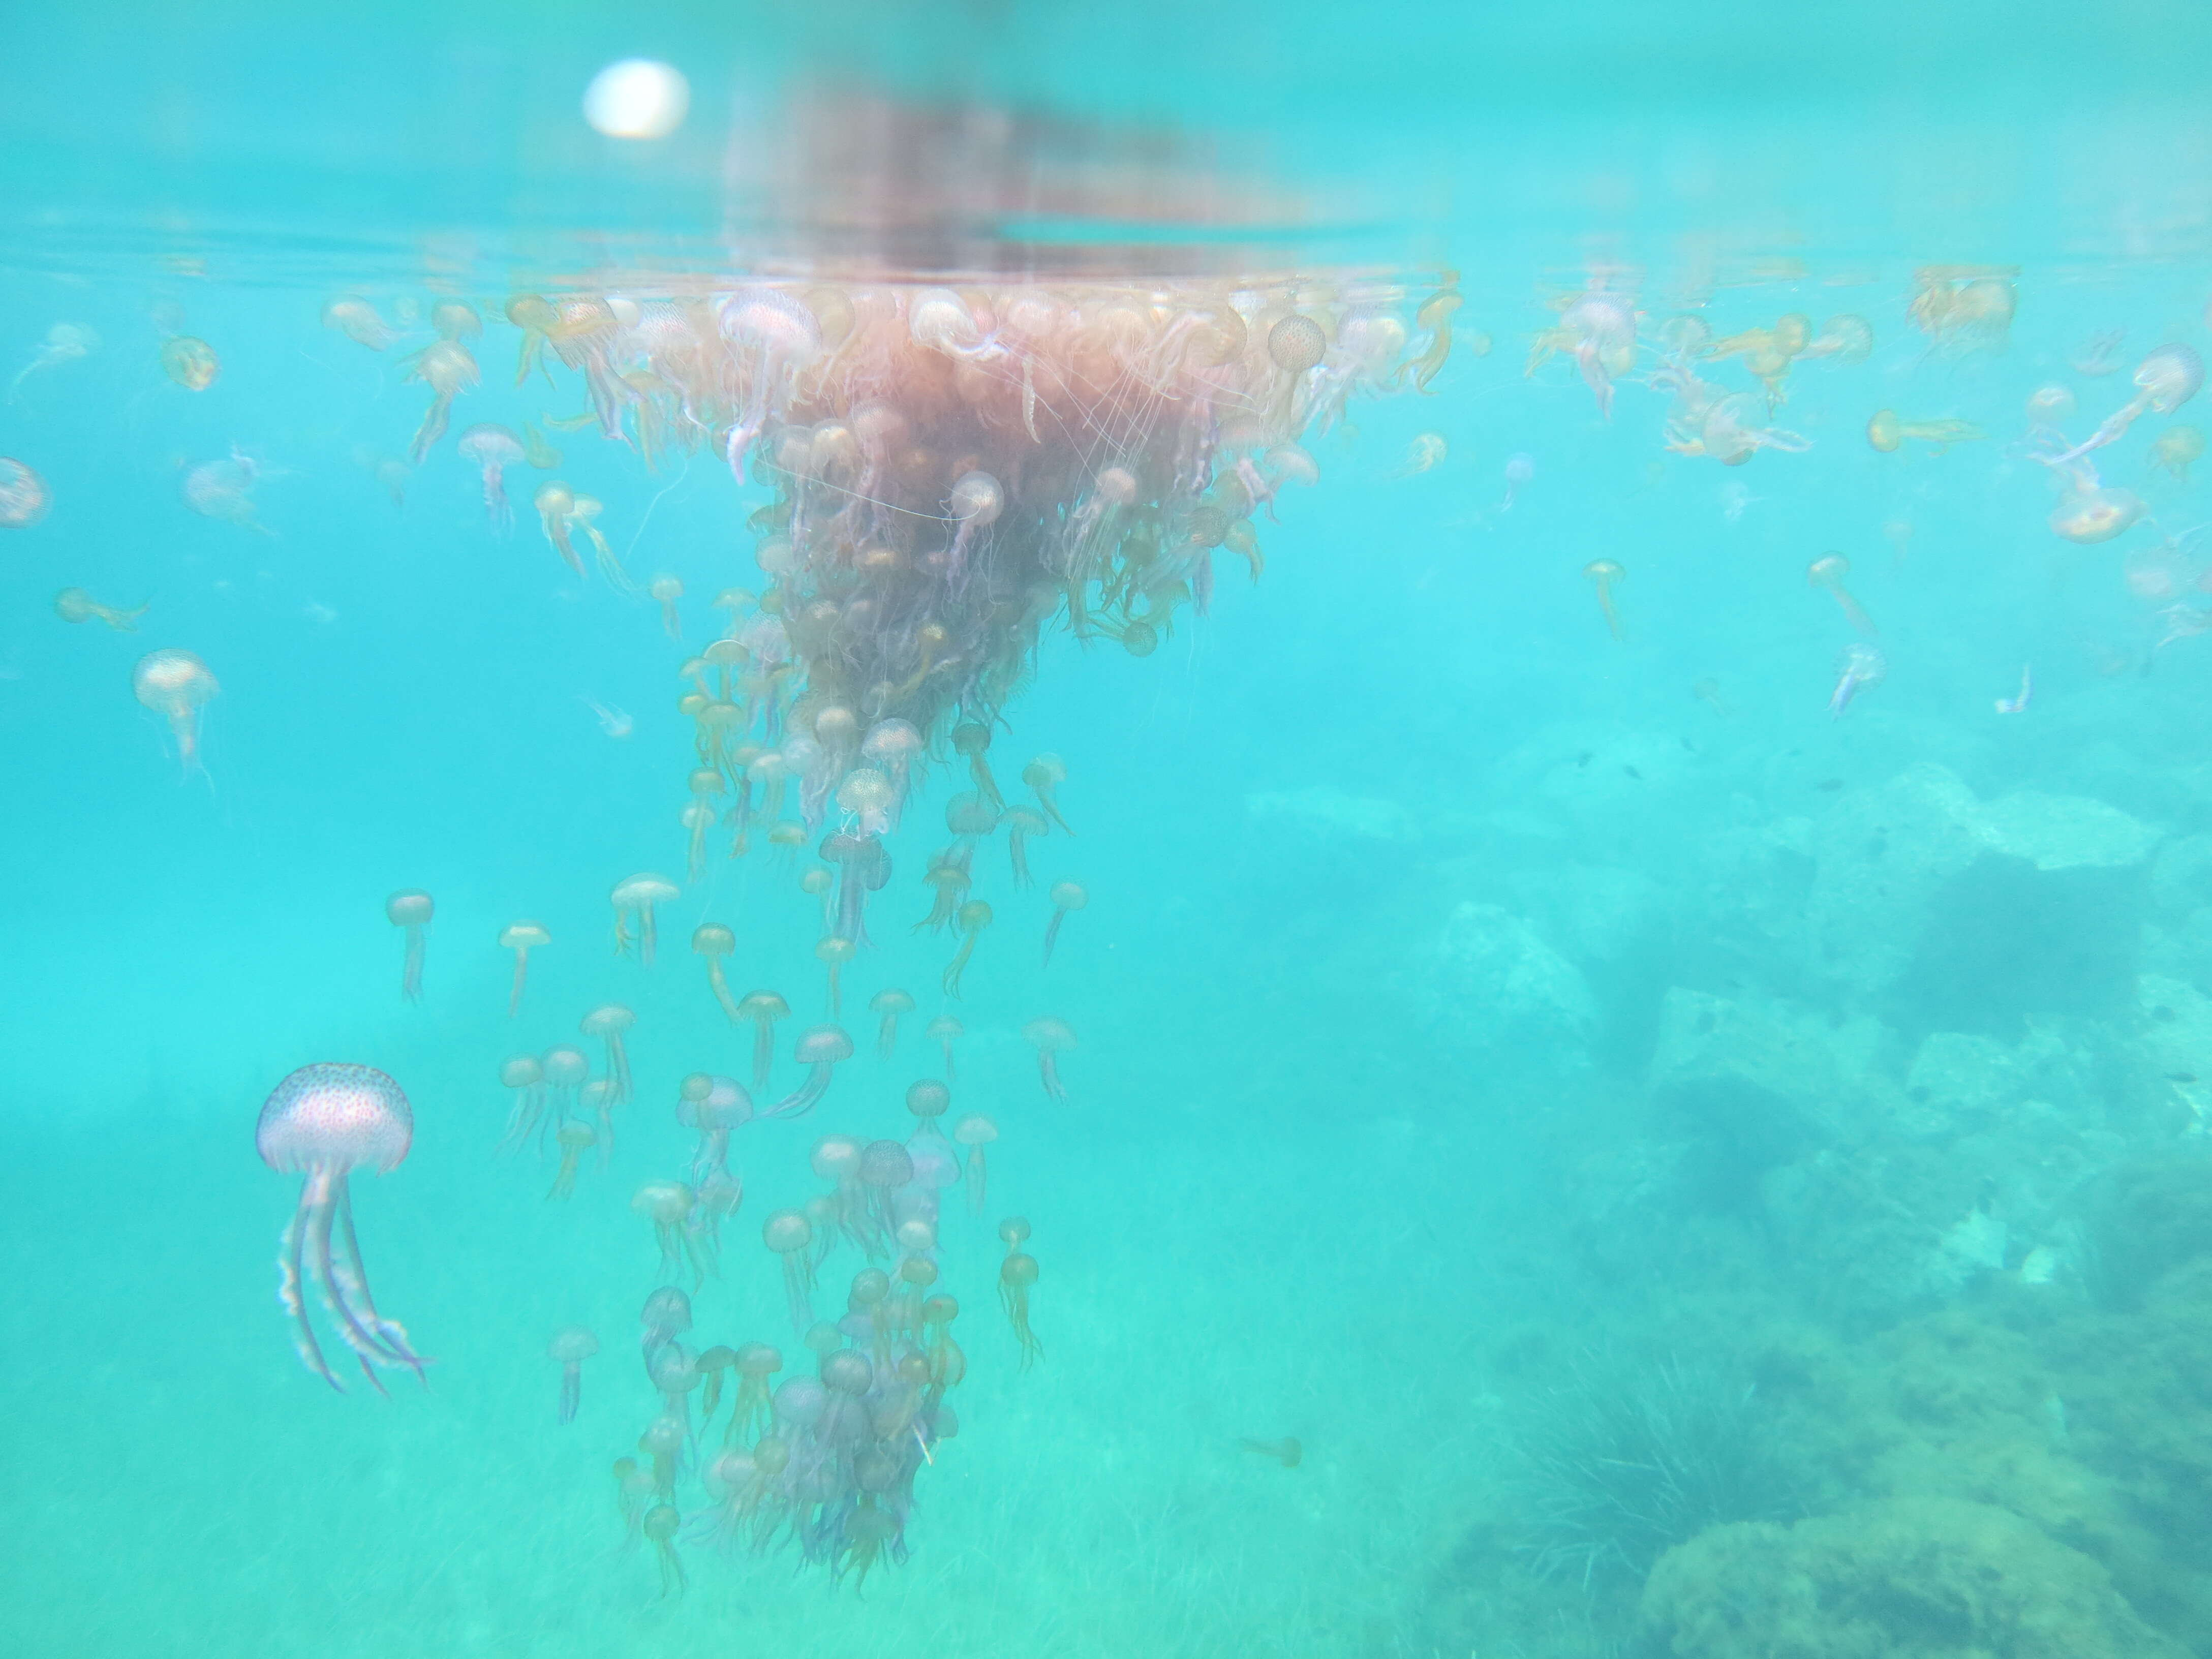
[{"x": 324, "y": 1121}]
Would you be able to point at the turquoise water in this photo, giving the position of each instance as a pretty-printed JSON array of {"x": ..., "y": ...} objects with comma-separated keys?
[{"x": 1700, "y": 1165}]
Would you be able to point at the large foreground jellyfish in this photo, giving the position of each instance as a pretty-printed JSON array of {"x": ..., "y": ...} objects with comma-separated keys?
[{"x": 324, "y": 1121}]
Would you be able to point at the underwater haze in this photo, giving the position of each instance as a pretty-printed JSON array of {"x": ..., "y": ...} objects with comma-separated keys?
[{"x": 1376, "y": 832}]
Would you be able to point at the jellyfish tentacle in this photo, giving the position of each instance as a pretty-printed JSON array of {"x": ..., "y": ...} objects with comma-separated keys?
[
  {"x": 289, "y": 1286},
  {"x": 354, "y": 1281}
]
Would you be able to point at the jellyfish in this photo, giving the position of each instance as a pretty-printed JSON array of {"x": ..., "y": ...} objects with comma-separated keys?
[
  {"x": 716, "y": 1111},
  {"x": 223, "y": 488},
  {"x": 23, "y": 495},
  {"x": 819, "y": 1048},
  {"x": 889, "y": 1004},
  {"x": 493, "y": 448},
  {"x": 1045, "y": 775},
  {"x": 526, "y": 1078},
  {"x": 788, "y": 1235},
  {"x": 1708, "y": 692},
  {"x": 972, "y": 739},
  {"x": 608, "y": 1022},
  {"x": 411, "y": 908},
  {"x": 556, "y": 502},
  {"x": 64, "y": 343},
  {"x": 565, "y": 1070},
  {"x": 1828, "y": 571},
  {"x": 666, "y": 591},
  {"x": 569, "y": 1348},
  {"x": 1846, "y": 337},
  {"x": 2049, "y": 408},
  {"x": 521, "y": 938},
  {"x": 1017, "y": 1275},
  {"x": 890, "y": 747},
  {"x": 975, "y": 1132},
  {"x": 833, "y": 953},
  {"x": 673, "y": 1373},
  {"x": 2176, "y": 449},
  {"x": 574, "y": 1140},
  {"x": 2091, "y": 512},
  {"x": 884, "y": 1168},
  {"x": 1888, "y": 431},
  {"x": 666, "y": 1315},
  {"x": 599, "y": 1098},
  {"x": 191, "y": 364},
  {"x": 1964, "y": 308},
  {"x": 1067, "y": 896},
  {"x": 448, "y": 369},
  {"x": 1605, "y": 576},
  {"x": 664, "y": 1442},
  {"x": 2168, "y": 378},
  {"x": 871, "y": 797},
  {"x": 1735, "y": 429},
  {"x": 711, "y": 941},
  {"x": 1021, "y": 823},
  {"x": 667, "y": 1205},
  {"x": 1519, "y": 470},
  {"x": 942, "y": 1030},
  {"x": 971, "y": 919},
  {"x": 357, "y": 320},
  {"x": 1599, "y": 330},
  {"x": 1424, "y": 453},
  {"x": 697, "y": 819},
  {"x": 764, "y": 1009},
  {"x": 634, "y": 898},
  {"x": 1050, "y": 1035},
  {"x": 1288, "y": 1451},
  {"x": 927, "y": 1099},
  {"x": 1858, "y": 667},
  {"x": 660, "y": 1525},
  {"x": 323, "y": 1122},
  {"x": 176, "y": 684},
  {"x": 74, "y": 604}
]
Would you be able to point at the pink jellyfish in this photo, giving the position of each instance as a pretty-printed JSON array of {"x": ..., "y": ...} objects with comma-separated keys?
[
  {"x": 177, "y": 684},
  {"x": 1050, "y": 1035},
  {"x": 23, "y": 495},
  {"x": 324, "y": 1121},
  {"x": 493, "y": 448},
  {"x": 411, "y": 908}
]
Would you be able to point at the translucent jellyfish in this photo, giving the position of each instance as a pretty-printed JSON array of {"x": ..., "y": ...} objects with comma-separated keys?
[
  {"x": 819, "y": 1048},
  {"x": 1846, "y": 337},
  {"x": 717, "y": 1111},
  {"x": 566, "y": 1070},
  {"x": 971, "y": 920},
  {"x": 787, "y": 1233},
  {"x": 1018, "y": 1277},
  {"x": 1598, "y": 329},
  {"x": 1424, "y": 453},
  {"x": 764, "y": 1009},
  {"x": 1828, "y": 571},
  {"x": 927, "y": 1099},
  {"x": 975, "y": 1132},
  {"x": 975, "y": 505},
  {"x": 1605, "y": 576},
  {"x": 357, "y": 320},
  {"x": 889, "y": 1005},
  {"x": 972, "y": 740},
  {"x": 1964, "y": 308},
  {"x": 1858, "y": 667},
  {"x": 1888, "y": 431},
  {"x": 890, "y": 746},
  {"x": 2168, "y": 378},
  {"x": 176, "y": 684},
  {"x": 1021, "y": 823},
  {"x": 1067, "y": 898},
  {"x": 1045, "y": 775},
  {"x": 1735, "y": 429},
  {"x": 1519, "y": 470},
  {"x": 697, "y": 819},
  {"x": 323, "y": 1122},
  {"x": 608, "y": 1022},
  {"x": 493, "y": 448},
  {"x": 871, "y": 797},
  {"x": 521, "y": 938},
  {"x": 666, "y": 1206},
  {"x": 570, "y": 1349},
  {"x": 411, "y": 908},
  {"x": 2176, "y": 449},
  {"x": 223, "y": 489},
  {"x": 942, "y": 1030},
  {"x": 634, "y": 898},
  {"x": 821, "y": 885},
  {"x": 1050, "y": 1035},
  {"x": 74, "y": 604},
  {"x": 2092, "y": 512},
  {"x": 833, "y": 953},
  {"x": 666, "y": 1315},
  {"x": 712, "y": 942},
  {"x": 556, "y": 503},
  {"x": 1288, "y": 1452},
  {"x": 662, "y": 1523},
  {"x": 191, "y": 364},
  {"x": 2049, "y": 408},
  {"x": 446, "y": 367},
  {"x": 1434, "y": 318},
  {"x": 65, "y": 342},
  {"x": 885, "y": 1167},
  {"x": 574, "y": 1140},
  {"x": 523, "y": 1076},
  {"x": 598, "y": 1098},
  {"x": 23, "y": 495},
  {"x": 665, "y": 591}
]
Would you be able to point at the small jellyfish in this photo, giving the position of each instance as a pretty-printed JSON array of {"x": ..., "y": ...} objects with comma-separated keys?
[
  {"x": 1067, "y": 898},
  {"x": 411, "y": 908},
  {"x": 323, "y": 1122},
  {"x": 1888, "y": 431},
  {"x": 1021, "y": 823},
  {"x": 1735, "y": 429},
  {"x": 556, "y": 502},
  {"x": 1018, "y": 1276},
  {"x": 1434, "y": 318},
  {"x": 871, "y": 797},
  {"x": 2094, "y": 513},
  {"x": 1050, "y": 1035},
  {"x": 942, "y": 1030},
  {"x": 356, "y": 320},
  {"x": 223, "y": 488},
  {"x": 927, "y": 1099},
  {"x": 634, "y": 898},
  {"x": 717, "y": 1107},
  {"x": 570, "y": 1349},
  {"x": 1519, "y": 470},
  {"x": 764, "y": 1009},
  {"x": 788, "y": 1235},
  {"x": 1859, "y": 666},
  {"x": 889, "y": 1004},
  {"x": 975, "y": 1132},
  {"x": 446, "y": 367},
  {"x": 667, "y": 1205},
  {"x": 1045, "y": 775},
  {"x": 751, "y": 1411},
  {"x": 524, "y": 1078},
  {"x": 975, "y": 505},
  {"x": 64, "y": 343},
  {"x": 574, "y": 1140},
  {"x": 972, "y": 739},
  {"x": 1846, "y": 337},
  {"x": 970, "y": 921},
  {"x": 819, "y": 1048},
  {"x": 2049, "y": 408},
  {"x": 833, "y": 953},
  {"x": 2176, "y": 449},
  {"x": 1828, "y": 571},
  {"x": 597, "y": 1097},
  {"x": 712, "y": 942},
  {"x": 666, "y": 1315},
  {"x": 493, "y": 448},
  {"x": 191, "y": 364},
  {"x": 23, "y": 495},
  {"x": 1607, "y": 575},
  {"x": 1708, "y": 692},
  {"x": 2168, "y": 378},
  {"x": 1425, "y": 452},
  {"x": 1288, "y": 1451},
  {"x": 665, "y": 591},
  {"x": 521, "y": 938},
  {"x": 566, "y": 1072},
  {"x": 176, "y": 684},
  {"x": 74, "y": 604},
  {"x": 660, "y": 1525},
  {"x": 608, "y": 1022}
]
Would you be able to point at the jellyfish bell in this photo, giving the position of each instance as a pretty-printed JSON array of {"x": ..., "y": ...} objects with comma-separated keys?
[
  {"x": 176, "y": 684},
  {"x": 2088, "y": 516},
  {"x": 410, "y": 909}
]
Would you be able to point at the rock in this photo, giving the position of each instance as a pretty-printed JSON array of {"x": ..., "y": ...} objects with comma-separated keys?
[
  {"x": 2066, "y": 832},
  {"x": 1497, "y": 988}
]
